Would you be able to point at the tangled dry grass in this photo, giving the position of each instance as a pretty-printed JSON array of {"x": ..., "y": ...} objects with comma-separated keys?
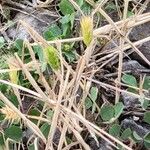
[{"x": 70, "y": 115}]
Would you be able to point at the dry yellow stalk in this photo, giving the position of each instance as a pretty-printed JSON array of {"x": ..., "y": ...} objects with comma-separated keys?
[{"x": 87, "y": 29}]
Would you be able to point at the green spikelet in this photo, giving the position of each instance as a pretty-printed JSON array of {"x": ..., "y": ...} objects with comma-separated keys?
[
  {"x": 52, "y": 58},
  {"x": 87, "y": 29},
  {"x": 13, "y": 74}
]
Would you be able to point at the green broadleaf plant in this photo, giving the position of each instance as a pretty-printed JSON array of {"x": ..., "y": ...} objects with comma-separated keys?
[
  {"x": 147, "y": 140},
  {"x": 13, "y": 132},
  {"x": 88, "y": 103},
  {"x": 136, "y": 136},
  {"x": 45, "y": 128},
  {"x": 91, "y": 100},
  {"x": 107, "y": 112},
  {"x": 118, "y": 109},
  {"x": 126, "y": 134},
  {"x": 114, "y": 130},
  {"x": 66, "y": 7},
  {"x": 110, "y": 113},
  {"x": 147, "y": 117},
  {"x": 129, "y": 80},
  {"x": 93, "y": 97},
  {"x": 52, "y": 33}
]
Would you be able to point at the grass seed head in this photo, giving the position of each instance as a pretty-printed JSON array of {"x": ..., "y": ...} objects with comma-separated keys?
[
  {"x": 87, "y": 29},
  {"x": 13, "y": 74},
  {"x": 10, "y": 115},
  {"x": 52, "y": 57}
]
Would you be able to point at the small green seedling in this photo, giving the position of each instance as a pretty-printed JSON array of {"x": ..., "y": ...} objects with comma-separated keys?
[
  {"x": 109, "y": 113},
  {"x": 91, "y": 100}
]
